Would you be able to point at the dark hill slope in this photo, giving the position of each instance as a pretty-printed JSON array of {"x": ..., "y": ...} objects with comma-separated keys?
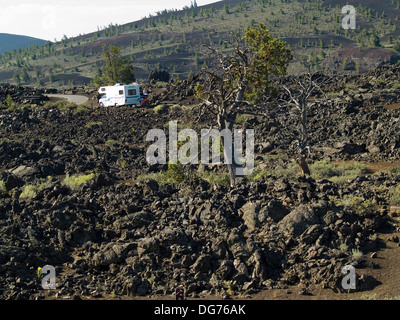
[{"x": 9, "y": 42}]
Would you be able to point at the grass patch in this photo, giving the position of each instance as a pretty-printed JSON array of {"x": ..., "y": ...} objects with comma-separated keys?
[
  {"x": 241, "y": 119},
  {"x": 357, "y": 204},
  {"x": 215, "y": 178},
  {"x": 394, "y": 198},
  {"x": 60, "y": 104},
  {"x": 366, "y": 296},
  {"x": 177, "y": 175},
  {"x": 65, "y": 105},
  {"x": 112, "y": 142},
  {"x": 82, "y": 109},
  {"x": 291, "y": 170},
  {"x": 259, "y": 174},
  {"x": 30, "y": 191},
  {"x": 337, "y": 173},
  {"x": 272, "y": 156},
  {"x": 4, "y": 140},
  {"x": 3, "y": 189},
  {"x": 160, "y": 108},
  {"x": 15, "y": 107},
  {"x": 188, "y": 110},
  {"x": 92, "y": 124},
  {"x": 123, "y": 163},
  {"x": 279, "y": 172},
  {"x": 332, "y": 95},
  {"x": 394, "y": 171},
  {"x": 174, "y": 175},
  {"x": 161, "y": 84},
  {"x": 74, "y": 182}
]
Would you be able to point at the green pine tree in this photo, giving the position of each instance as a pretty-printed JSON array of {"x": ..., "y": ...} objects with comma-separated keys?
[{"x": 117, "y": 69}]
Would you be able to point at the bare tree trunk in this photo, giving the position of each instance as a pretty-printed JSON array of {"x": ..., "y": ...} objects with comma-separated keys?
[
  {"x": 303, "y": 141},
  {"x": 229, "y": 151},
  {"x": 304, "y": 132},
  {"x": 226, "y": 122},
  {"x": 232, "y": 172}
]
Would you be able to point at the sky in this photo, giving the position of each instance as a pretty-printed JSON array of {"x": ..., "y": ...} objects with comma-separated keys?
[{"x": 50, "y": 20}]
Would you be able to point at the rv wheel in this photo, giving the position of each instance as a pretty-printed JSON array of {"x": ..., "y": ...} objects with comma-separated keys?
[{"x": 101, "y": 104}]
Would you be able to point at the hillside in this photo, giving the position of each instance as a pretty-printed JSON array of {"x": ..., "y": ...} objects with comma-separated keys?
[
  {"x": 172, "y": 40},
  {"x": 9, "y": 42}
]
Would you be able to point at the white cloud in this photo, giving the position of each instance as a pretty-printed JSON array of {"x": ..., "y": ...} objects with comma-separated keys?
[{"x": 50, "y": 19}]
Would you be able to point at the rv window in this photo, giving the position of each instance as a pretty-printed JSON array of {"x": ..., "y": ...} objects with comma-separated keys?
[
  {"x": 132, "y": 92},
  {"x": 103, "y": 89},
  {"x": 121, "y": 92}
]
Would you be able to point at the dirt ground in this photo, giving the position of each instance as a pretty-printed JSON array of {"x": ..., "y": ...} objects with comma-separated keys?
[{"x": 388, "y": 274}]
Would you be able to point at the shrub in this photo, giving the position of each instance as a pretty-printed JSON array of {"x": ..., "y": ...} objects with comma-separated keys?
[
  {"x": 356, "y": 254},
  {"x": 75, "y": 182},
  {"x": 343, "y": 247},
  {"x": 396, "y": 46},
  {"x": 175, "y": 173},
  {"x": 9, "y": 101}
]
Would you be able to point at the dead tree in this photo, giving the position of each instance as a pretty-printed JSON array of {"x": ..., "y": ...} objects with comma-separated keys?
[
  {"x": 298, "y": 96},
  {"x": 220, "y": 97}
]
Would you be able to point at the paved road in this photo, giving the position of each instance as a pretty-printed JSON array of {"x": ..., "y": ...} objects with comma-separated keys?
[{"x": 71, "y": 98}]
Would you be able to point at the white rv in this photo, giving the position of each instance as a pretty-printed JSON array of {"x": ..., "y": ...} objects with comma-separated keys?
[{"x": 119, "y": 95}]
